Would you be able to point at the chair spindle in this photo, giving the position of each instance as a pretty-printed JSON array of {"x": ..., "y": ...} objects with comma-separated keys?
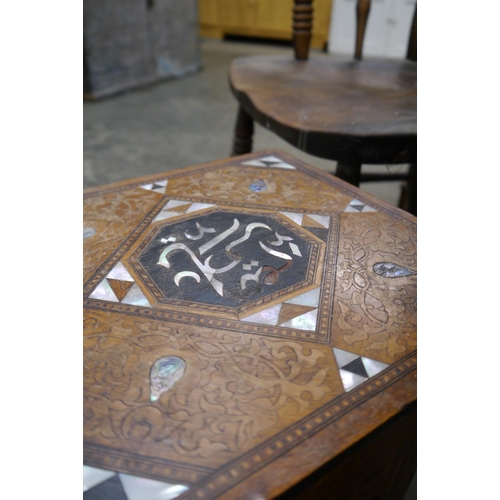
[
  {"x": 362, "y": 11},
  {"x": 412, "y": 44},
  {"x": 302, "y": 28}
]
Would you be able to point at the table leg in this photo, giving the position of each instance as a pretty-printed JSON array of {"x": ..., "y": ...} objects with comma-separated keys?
[{"x": 379, "y": 467}]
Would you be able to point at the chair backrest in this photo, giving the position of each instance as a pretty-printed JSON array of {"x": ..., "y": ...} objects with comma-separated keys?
[{"x": 302, "y": 29}]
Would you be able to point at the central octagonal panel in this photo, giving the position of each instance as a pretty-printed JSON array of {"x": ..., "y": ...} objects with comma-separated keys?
[{"x": 224, "y": 258}]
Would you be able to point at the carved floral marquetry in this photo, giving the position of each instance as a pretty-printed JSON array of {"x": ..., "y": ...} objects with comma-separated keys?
[
  {"x": 374, "y": 314},
  {"x": 111, "y": 218},
  {"x": 242, "y": 320},
  {"x": 236, "y": 389},
  {"x": 293, "y": 189}
]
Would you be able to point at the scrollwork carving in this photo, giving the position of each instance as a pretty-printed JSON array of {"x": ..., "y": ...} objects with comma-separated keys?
[
  {"x": 112, "y": 218},
  {"x": 374, "y": 314},
  {"x": 236, "y": 390},
  {"x": 231, "y": 183}
]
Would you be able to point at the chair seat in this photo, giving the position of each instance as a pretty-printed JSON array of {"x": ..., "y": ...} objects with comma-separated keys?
[{"x": 356, "y": 112}]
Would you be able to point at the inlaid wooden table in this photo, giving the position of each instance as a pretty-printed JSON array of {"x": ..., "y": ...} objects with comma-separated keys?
[{"x": 249, "y": 332}]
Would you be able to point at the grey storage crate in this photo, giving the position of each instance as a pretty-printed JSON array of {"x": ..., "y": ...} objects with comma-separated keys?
[{"x": 129, "y": 43}]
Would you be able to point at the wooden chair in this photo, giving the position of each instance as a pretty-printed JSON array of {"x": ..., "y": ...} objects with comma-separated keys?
[{"x": 357, "y": 112}]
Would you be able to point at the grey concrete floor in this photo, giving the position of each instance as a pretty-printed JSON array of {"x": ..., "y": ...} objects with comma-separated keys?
[{"x": 183, "y": 122}]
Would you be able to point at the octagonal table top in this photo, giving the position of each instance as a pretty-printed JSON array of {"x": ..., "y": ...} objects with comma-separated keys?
[{"x": 245, "y": 321}]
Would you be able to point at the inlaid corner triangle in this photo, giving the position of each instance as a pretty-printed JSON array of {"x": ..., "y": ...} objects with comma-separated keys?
[
  {"x": 267, "y": 316},
  {"x": 305, "y": 321},
  {"x": 165, "y": 214},
  {"x": 294, "y": 216},
  {"x": 141, "y": 488},
  {"x": 135, "y": 297},
  {"x": 119, "y": 272},
  {"x": 308, "y": 222},
  {"x": 356, "y": 206},
  {"x": 285, "y": 165},
  {"x": 274, "y": 161},
  {"x": 373, "y": 367},
  {"x": 174, "y": 204},
  {"x": 93, "y": 476},
  {"x": 290, "y": 311},
  {"x": 103, "y": 291},
  {"x": 182, "y": 209},
  {"x": 350, "y": 380},
  {"x": 313, "y": 220},
  {"x": 120, "y": 288},
  {"x": 173, "y": 208},
  {"x": 254, "y": 163},
  {"x": 157, "y": 187},
  {"x": 355, "y": 369},
  {"x": 180, "y": 206},
  {"x": 271, "y": 159},
  {"x": 199, "y": 206},
  {"x": 310, "y": 298}
]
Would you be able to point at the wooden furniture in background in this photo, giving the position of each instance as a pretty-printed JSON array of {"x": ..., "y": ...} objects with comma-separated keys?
[
  {"x": 259, "y": 18},
  {"x": 249, "y": 332},
  {"x": 357, "y": 112},
  {"x": 129, "y": 43}
]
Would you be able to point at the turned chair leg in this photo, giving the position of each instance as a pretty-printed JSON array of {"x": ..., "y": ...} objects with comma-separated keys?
[
  {"x": 408, "y": 198},
  {"x": 243, "y": 133},
  {"x": 412, "y": 190},
  {"x": 349, "y": 173}
]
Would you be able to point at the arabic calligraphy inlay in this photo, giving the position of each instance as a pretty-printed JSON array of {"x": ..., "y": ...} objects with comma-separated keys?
[{"x": 224, "y": 258}]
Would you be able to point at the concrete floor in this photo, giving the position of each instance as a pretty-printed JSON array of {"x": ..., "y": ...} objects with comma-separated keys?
[{"x": 184, "y": 122}]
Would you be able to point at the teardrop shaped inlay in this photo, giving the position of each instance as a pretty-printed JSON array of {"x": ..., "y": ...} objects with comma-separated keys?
[
  {"x": 88, "y": 232},
  {"x": 257, "y": 186},
  {"x": 390, "y": 270},
  {"x": 165, "y": 372}
]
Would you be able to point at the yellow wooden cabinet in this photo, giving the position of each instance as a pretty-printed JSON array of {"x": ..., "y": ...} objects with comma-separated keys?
[{"x": 260, "y": 18}]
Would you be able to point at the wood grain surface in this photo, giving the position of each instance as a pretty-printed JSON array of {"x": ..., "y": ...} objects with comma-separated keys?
[
  {"x": 354, "y": 112},
  {"x": 288, "y": 299}
]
